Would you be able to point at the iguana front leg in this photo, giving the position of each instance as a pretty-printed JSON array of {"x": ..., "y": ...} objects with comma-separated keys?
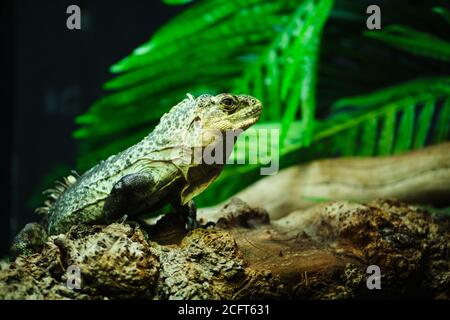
[
  {"x": 131, "y": 195},
  {"x": 139, "y": 193},
  {"x": 189, "y": 210}
]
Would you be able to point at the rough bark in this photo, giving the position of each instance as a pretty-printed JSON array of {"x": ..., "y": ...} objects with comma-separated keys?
[{"x": 319, "y": 253}]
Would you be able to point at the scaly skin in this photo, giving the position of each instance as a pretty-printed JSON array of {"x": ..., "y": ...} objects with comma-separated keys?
[{"x": 145, "y": 177}]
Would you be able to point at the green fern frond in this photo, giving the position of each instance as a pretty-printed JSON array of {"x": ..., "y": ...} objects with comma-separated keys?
[
  {"x": 444, "y": 13},
  {"x": 283, "y": 77},
  {"x": 203, "y": 24},
  {"x": 420, "y": 89},
  {"x": 442, "y": 128},
  {"x": 394, "y": 128},
  {"x": 413, "y": 41},
  {"x": 177, "y": 2},
  {"x": 396, "y": 119}
]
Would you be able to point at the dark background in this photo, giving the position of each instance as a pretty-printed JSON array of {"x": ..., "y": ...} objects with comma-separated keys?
[{"x": 50, "y": 75}]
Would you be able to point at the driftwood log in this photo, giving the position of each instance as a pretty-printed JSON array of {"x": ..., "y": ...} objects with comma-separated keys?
[
  {"x": 421, "y": 177},
  {"x": 291, "y": 251}
]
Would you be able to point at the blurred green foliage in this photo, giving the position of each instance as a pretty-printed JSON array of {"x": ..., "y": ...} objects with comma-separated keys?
[{"x": 330, "y": 85}]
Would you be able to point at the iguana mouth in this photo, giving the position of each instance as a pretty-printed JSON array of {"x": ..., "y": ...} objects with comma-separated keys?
[{"x": 248, "y": 116}]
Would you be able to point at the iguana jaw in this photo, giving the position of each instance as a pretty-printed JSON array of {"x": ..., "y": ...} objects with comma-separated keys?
[
  {"x": 249, "y": 118},
  {"x": 246, "y": 115}
]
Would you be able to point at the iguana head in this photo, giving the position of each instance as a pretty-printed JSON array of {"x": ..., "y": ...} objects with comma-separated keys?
[
  {"x": 202, "y": 125},
  {"x": 218, "y": 120},
  {"x": 227, "y": 111},
  {"x": 207, "y": 113}
]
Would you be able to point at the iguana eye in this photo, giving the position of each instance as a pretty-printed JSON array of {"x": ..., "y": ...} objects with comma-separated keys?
[
  {"x": 227, "y": 101},
  {"x": 229, "y": 104}
]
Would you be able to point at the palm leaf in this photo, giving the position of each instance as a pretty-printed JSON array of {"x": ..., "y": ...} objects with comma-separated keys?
[
  {"x": 413, "y": 41},
  {"x": 177, "y": 2},
  {"x": 404, "y": 115},
  {"x": 284, "y": 75},
  {"x": 444, "y": 13}
]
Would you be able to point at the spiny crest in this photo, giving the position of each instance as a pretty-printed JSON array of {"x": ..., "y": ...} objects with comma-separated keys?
[
  {"x": 56, "y": 192},
  {"x": 176, "y": 122}
]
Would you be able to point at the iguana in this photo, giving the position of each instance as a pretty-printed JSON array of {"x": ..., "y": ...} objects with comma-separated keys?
[{"x": 164, "y": 168}]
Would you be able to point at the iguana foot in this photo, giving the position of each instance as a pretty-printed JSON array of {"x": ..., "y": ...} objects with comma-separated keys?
[
  {"x": 208, "y": 224},
  {"x": 192, "y": 222},
  {"x": 189, "y": 210}
]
